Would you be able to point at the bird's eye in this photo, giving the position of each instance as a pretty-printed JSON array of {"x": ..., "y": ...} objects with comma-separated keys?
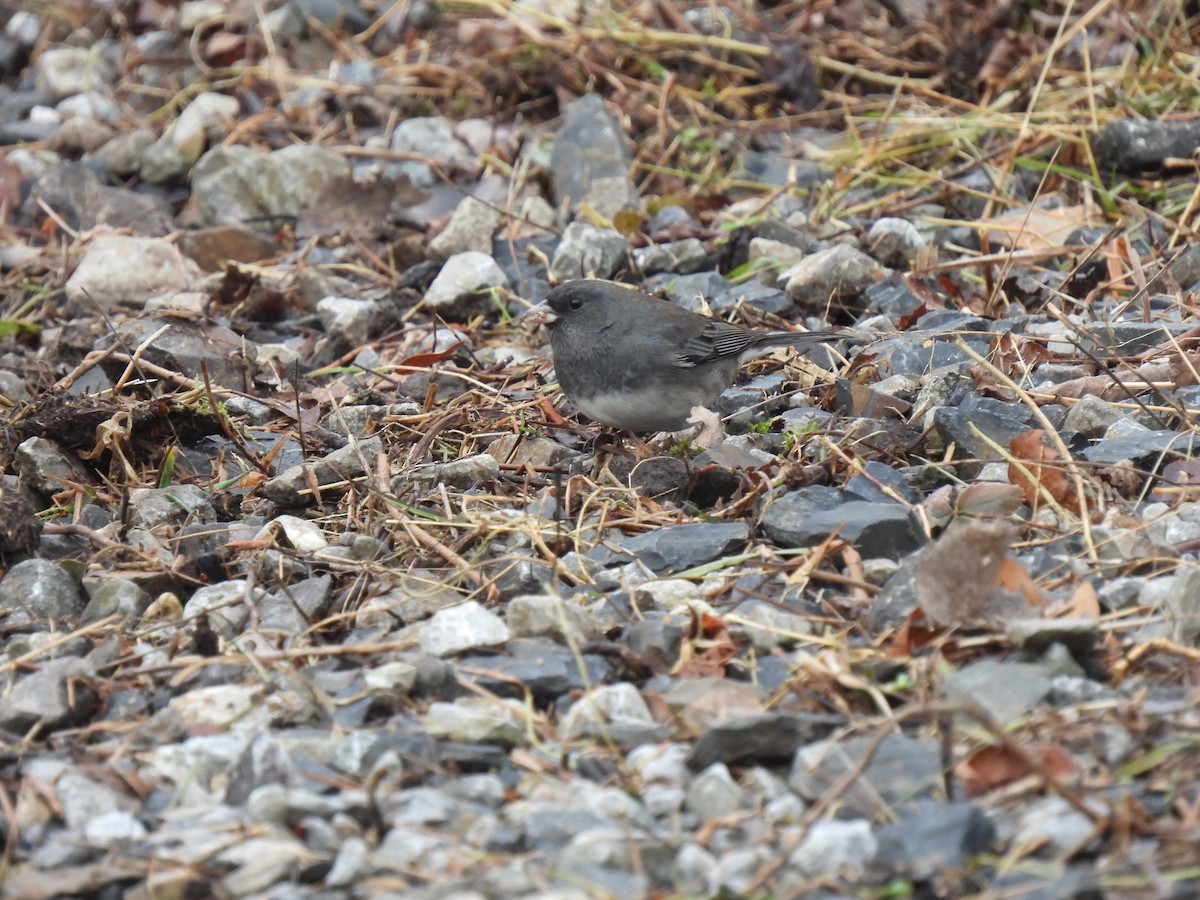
[{"x": 575, "y": 303}]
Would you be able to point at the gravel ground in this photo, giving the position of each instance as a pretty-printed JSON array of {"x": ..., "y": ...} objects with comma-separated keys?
[{"x": 315, "y": 586}]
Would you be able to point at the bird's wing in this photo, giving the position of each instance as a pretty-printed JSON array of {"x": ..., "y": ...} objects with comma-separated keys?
[{"x": 717, "y": 340}]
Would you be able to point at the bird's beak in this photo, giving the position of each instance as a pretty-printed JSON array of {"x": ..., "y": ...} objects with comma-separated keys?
[{"x": 539, "y": 314}]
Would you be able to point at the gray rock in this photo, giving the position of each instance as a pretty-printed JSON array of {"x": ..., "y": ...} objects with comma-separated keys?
[
  {"x": 349, "y": 321},
  {"x": 221, "y": 607},
  {"x": 118, "y": 270},
  {"x": 677, "y": 548},
  {"x": 1091, "y": 416},
  {"x": 152, "y": 508},
  {"x": 1005, "y": 691},
  {"x": 391, "y": 682},
  {"x": 963, "y": 425},
  {"x": 235, "y": 184},
  {"x": 122, "y": 155},
  {"x": 523, "y": 449},
  {"x": 1055, "y": 826},
  {"x": 875, "y": 529},
  {"x": 591, "y": 147},
  {"x": 117, "y": 596},
  {"x": 289, "y": 489},
  {"x": 713, "y": 793},
  {"x": 586, "y": 251},
  {"x": 1174, "y": 597},
  {"x": 603, "y": 709},
  {"x": 763, "y": 737},
  {"x": 831, "y": 847},
  {"x": 462, "y": 627},
  {"x": 206, "y": 119},
  {"x": 836, "y": 274},
  {"x": 60, "y": 694},
  {"x": 894, "y": 242},
  {"x": 257, "y": 863},
  {"x": 463, "y": 474},
  {"x": 462, "y": 287},
  {"x": 478, "y": 720},
  {"x": 351, "y": 865},
  {"x": 1121, "y": 593},
  {"x": 1141, "y": 448},
  {"x": 544, "y": 615},
  {"x": 470, "y": 228},
  {"x": 781, "y": 254},
  {"x": 902, "y": 769},
  {"x": 933, "y": 838},
  {"x": 38, "y": 590},
  {"x": 183, "y": 347},
  {"x": 64, "y": 71},
  {"x": 1137, "y": 145},
  {"x": 547, "y": 670},
  {"x": 766, "y": 625},
  {"x": 113, "y": 829},
  {"x": 431, "y": 137},
  {"x": 1035, "y": 635},
  {"x": 686, "y": 256},
  {"x": 79, "y": 135},
  {"x": 47, "y": 468},
  {"x": 878, "y": 482},
  {"x": 738, "y": 872}
]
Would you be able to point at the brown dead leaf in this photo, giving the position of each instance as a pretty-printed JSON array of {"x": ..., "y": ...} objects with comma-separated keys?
[
  {"x": 989, "y": 768},
  {"x": 995, "y": 766},
  {"x": 915, "y": 633},
  {"x": 910, "y": 319},
  {"x": 967, "y": 578},
  {"x": 1084, "y": 603},
  {"x": 1185, "y": 368},
  {"x": 1014, "y": 355},
  {"x": 1124, "y": 478},
  {"x": 985, "y": 498},
  {"x": 1038, "y": 229},
  {"x": 425, "y": 360},
  {"x": 1180, "y": 482},
  {"x": 1044, "y": 472},
  {"x": 707, "y": 648},
  {"x": 1011, "y": 577}
]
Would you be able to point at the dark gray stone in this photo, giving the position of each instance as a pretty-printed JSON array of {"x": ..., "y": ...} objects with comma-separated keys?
[
  {"x": 934, "y": 837},
  {"x": 1005, "y": 691},
  {"x": 183, "y": 347},
  {"x": 59, "y": 695},
  {"x": 762, "y": 738},
  {"x": 875, "y": 529},
  {"x": 590, "y": 147},
  {"x": 677, "y": 547},
  {"x": 901, "y": 770},
  {"x": 1137, "y": 145},
  {"x": 37, "y": 590},
  {"x": 1142, "y": 448},
  {"x": 880, "y": 483}
]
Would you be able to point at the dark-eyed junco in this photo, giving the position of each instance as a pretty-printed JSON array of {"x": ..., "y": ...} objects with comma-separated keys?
[{"x": 637, "y": 363}]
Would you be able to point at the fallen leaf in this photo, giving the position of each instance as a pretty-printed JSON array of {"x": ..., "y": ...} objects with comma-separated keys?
[
  {"x": 966, "y": 576},
  {"x": 1037, "y": 229},
  {"x": 984, "y": 498},
  {"x": 1084, "y": 603},
  {"x": 915, "y": 633},
  {"x": 706, "y": 649},
  {"x": 425, "y": 360},
  {"x": 995, "y": 766},
  {"x": 1042, "y": 473}
]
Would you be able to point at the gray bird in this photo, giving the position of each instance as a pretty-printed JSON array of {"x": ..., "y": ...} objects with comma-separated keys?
[{"x": 638, "y": 363}]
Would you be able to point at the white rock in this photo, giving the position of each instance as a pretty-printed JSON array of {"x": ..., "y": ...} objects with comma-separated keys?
[{"x": 462, "y": 627}]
